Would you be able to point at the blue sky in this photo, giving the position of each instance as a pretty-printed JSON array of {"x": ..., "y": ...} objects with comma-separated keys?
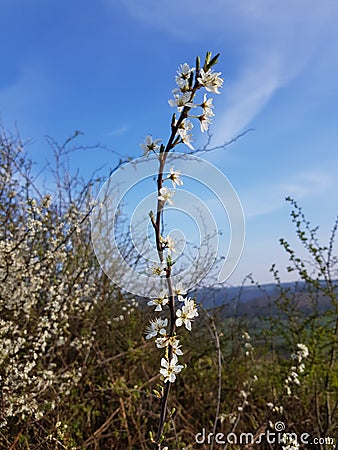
[{"x": 107, "y": 68}]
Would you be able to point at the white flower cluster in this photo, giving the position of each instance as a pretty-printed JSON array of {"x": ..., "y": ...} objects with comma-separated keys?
[
  {"x": 42, "y": 304},
  {"x": 158, "y": 329},
  {"x": 187, "y": 313},
  {"x": 246, "y": 390},
  {"x": 244, "y": 394},
  {"x": 248, "y": 347},
  {"x": 150, "y": 145},
  {"x": 127, "y": 309},
  {"x": 189, "y": 80},
  {"x": 159, "y": 301},
  {"x": 211, "y": 80},
  {"x": 166, "y": 195},
  {"x": 301, "y": 353},
  {"x": 290, "y": 441},
  {"x": 299, "y": 367},
  {"x": 185, "y": 93},
  {"x": 167, "y": 243},
  {"x": 275, "y": 408}
]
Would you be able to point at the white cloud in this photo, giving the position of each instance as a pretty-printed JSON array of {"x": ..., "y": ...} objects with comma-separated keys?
[
  {"x": 245, "y": 97},
  {"x": 273, "y": 40},
  {"x": 267, "y": 199},
  {"x": 23, "y": 99},
  {"x": 307, "y": 183},
  {"x": 118, "y": 131}
]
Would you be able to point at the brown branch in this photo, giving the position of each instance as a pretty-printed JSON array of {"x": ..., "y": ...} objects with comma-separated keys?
[
  {"x": 17, "y": 437},
  {"x": 99, "y": 431}
]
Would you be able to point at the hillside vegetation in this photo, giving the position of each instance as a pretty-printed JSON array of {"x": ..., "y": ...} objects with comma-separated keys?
[{"x": 76, "y": 371}]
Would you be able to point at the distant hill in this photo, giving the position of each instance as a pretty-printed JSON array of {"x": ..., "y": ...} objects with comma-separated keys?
[{"x": 253, "y": 300}]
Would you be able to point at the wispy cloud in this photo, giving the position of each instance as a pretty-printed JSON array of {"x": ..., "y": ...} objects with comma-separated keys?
[
  {"x": 246, "y": 97},
  {"x": 274, "y": 41},
  {"x": 262, "y": 200},
  {"x": 118, "y": 131},
  {"x": 25, "y": 97}
]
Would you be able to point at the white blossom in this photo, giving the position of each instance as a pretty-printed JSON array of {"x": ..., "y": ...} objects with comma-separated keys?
[
  {"x": 163, "y": 342},
  {"x": 169, "y": 243},
  {"x": 211, "y": 80},
  {"x": 205, "y": 121},
  {"x": 291, "y": 441},
  {"x": 184, "y": 132},
  {"x": 186, "y": 314},
  {"x": 180, "y": 290},
  {"x": 158, "y": 268},
  {"x": 183, "y": 76},
  {"x": 150, "y": 145},
  {"x": 303, "y": 350},
  {"x": 169, "y": 370},
  {"x": 207, "y": 106},
  {"x": 159, "y": 301},
  {"x": 166, "y": 194},
  {"x": 298, "y": 368},
  {"x": 243, "y": 394},
  {"x": 157, "y": 326},
  {"x": 181, "y": 100},
  {"x": 175, "y": 177}
]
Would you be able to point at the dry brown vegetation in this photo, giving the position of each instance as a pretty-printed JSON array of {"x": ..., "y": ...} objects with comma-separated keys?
[{"x": 76, "y": 370}]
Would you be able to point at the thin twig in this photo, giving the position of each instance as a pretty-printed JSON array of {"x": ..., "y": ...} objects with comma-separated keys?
[
  {"x": 100, "y": 430},
  {"x": 215, "y": 335}
]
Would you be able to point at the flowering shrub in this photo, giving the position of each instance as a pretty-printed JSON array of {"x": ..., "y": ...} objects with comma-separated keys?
[
  {"x": 298, "y": 357},
  {"x": 47, "y": 294}
]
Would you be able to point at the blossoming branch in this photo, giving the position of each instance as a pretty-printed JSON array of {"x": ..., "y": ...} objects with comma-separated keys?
[{"x": 182, "y": 309}]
